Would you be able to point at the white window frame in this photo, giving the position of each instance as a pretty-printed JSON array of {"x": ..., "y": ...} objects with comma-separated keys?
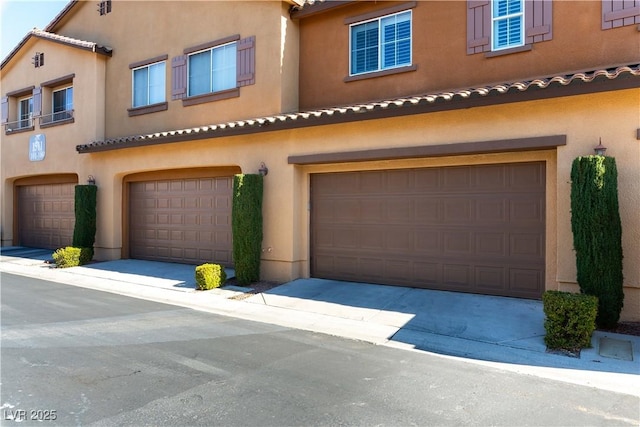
[
  {"x": 212, "y": 68},
  {"x": 381, "y": 43},
  {"x": 25, "y": 120},
  {"x": 164, "y": 84},
  {"x": 57, "y": 116},
  {"x": 495, "y": 19}
]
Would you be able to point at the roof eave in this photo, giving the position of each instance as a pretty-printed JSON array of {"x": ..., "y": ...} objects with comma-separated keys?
[
  {"x": 311, "y": 119},
  {"x": 56, "y": 20}
]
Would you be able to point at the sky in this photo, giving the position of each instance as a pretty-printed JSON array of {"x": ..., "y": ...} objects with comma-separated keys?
[{"x": 18, "y": 17}]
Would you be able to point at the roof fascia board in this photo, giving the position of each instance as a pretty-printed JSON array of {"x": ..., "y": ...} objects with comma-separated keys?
[
  {"x": 317, "y": 8},
  {"x": 101, "y": 50},
  {"x": 56, "y": 20}
]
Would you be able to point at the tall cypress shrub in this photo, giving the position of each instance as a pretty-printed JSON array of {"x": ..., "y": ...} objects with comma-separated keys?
[
  {"x": 84, "y": 231},
  {"x": 597, "y": 234},
  {"x": 246, "y": 225}
]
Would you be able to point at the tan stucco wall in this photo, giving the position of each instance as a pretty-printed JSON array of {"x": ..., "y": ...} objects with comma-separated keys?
[
  {"x": 584, "y": 119},
  {"x": 136, "y": 34},
  {"x": 440, "y": 52},
  {"x": 613, "y": 116},
  {"x": 61, "y": 156}
]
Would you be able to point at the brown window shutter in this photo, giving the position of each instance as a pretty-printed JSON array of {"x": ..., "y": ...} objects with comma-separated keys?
[
  {"x": 4, "y": 110},
  {"x": 618, "y": 13},
  {"x": 37, "y": 101},
  {"x": 179, "y": 77},
  {"x": 478, "y": 26},
  {"x": 246, "y": 61},
  {"x": 538, "y": 19}
]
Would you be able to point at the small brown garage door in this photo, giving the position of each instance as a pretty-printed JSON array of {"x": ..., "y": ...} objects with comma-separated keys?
[
  {"x": 181, "y": 220},
  {"x": 476, "y": 229},
  {"x": 46, "y": 215}
]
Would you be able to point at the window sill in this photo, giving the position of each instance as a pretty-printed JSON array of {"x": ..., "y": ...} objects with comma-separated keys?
[
  {"x": 211, "y": 97},
  {"x": 525, "y": 48},
  {"x": 57, "y": 123},
  {"x": 148, "y": 109},
  {"x": 382, "y": 73},
  {"x": 19, "y": 130}
]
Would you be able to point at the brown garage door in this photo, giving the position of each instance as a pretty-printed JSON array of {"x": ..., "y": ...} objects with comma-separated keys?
[
  {"x": 46, "y": 215},
  {"x": 181, "y": 220},
  {"x": 476, "y": 229}
]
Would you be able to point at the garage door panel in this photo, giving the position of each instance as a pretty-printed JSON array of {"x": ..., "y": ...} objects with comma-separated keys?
[
  {"x": 489, "y": 177},
  {"x": 457, "y": 228},
  {"x": 428, "y": 241},
  {"x": 46, "y": 215},
  {"x": 527, "y": 176},
  {"x": 428, "y": 210},
  {"x": 525, "y": 245},
  {"x": 524, "y": 280},
  {"x": 181, "y": 220},
  {"x": 490, "y": 279},
  {"x": 492, "y": 210},
  {"x": 457, "y": 276},
  {"x": 427, "y": 273}
]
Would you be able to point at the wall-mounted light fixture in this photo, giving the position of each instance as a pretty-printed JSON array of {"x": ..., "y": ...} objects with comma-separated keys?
[
  {"x": 91, "y": 180},
  {"x": 264, "y": 170},
  {"x": 600, "y": 149}
]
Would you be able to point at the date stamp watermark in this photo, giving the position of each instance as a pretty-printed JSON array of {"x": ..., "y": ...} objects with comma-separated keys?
[{"x": 20, "y": 415}]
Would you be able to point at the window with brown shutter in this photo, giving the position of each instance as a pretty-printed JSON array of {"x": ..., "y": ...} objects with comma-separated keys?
[
  {"x": 179, "y": 77},
  {"x": 537, "y": 21},
  {"x": 37, "y": 101},
  {"x": 4, "y": 109},
  {"x": 244, "y": 71},
  {"x": 18, "y": 110},
  {"x": 246, "y": 61},
  {"x": 619, "y": 13}
]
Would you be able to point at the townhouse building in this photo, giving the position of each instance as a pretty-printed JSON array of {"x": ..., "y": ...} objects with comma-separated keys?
[{"x": 414, "y": 143}]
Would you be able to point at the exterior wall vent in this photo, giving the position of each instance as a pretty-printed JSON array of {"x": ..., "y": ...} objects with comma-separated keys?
[{"x": 38, "y": 59}]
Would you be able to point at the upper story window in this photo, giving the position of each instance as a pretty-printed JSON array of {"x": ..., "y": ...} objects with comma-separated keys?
[
  {"x": 56, "y": 102},
  {"x": 25, "y": 113},
  {"x": 380, "y": 44},
  {"x": 62, "y": 104},
  {"x": 18, "y": 108},
  {"x": 507, "y": 23},
  {"x": 149, "y": 84},
  {"x": 212, "y": 70},
  {"x": 499, "y": 27}
]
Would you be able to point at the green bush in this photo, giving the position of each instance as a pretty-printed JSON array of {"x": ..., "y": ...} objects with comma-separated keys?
[
  {"x": 84, "y": 230},
  {"x": 72, "y": 256},
  {"x": 597, "y": 234},
  {"x": 570, "y": 319},
  {"x": 209, "y": 276},
  {"x": 246, "y": 225}
]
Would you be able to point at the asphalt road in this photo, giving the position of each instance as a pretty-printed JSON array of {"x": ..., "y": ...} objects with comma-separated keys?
[{"x": 73, "y": 356}]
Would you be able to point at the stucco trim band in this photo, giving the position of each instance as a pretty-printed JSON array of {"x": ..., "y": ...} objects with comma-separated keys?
[{"x": 440, "y": 150}]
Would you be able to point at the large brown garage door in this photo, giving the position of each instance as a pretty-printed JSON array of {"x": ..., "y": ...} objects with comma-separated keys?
[
  {"x": 46, "y": 215},
  {"x": 181, "y": 220},
  {"x": 476, "y": 229}
]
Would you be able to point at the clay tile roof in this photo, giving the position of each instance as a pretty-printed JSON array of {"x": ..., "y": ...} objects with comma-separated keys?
[
  {"x": 620, "y": 77},
  {"x": 82, "y": 44}
]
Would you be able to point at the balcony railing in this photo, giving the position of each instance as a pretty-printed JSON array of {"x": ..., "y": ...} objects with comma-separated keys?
[
  {"x": 19, "y": 125},
  {"x": 59, "y": 116},
  {"x": 45, "y": 120}
]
